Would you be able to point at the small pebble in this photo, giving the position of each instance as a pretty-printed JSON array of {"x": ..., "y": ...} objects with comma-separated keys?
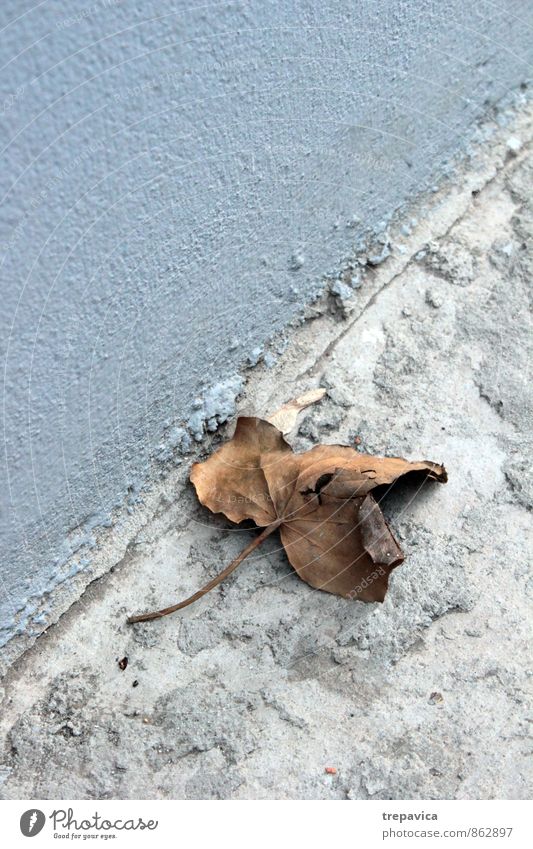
[
  {"x": 341, "y": 290},
  {"x": 254, "y": 356},
  {"x": 377, "y": 259},
  {"x": 514, "y": 145},
  {"x": 433, "y": 300}
]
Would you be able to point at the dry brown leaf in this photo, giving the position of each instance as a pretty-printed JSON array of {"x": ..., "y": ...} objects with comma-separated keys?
[
  {"x": 332, "y": 529},
  {"x": 285, "y": 418}
]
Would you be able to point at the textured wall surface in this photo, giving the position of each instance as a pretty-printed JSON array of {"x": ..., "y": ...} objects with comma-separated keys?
[{"x": 176, "y": 179}]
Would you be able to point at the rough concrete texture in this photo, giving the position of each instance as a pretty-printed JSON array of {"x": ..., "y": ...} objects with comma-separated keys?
[
  {"x": 257, "y": 688},
  {"x": 168, "y": 166}
]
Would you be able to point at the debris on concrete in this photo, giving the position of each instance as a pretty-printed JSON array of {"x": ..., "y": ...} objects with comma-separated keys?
[
  {"x": 377, "y": 258},
  {"x": 514, "y": 145}
]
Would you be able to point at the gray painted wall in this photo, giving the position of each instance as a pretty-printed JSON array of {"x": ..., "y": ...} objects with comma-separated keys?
[{"x": 177, "y": 177}]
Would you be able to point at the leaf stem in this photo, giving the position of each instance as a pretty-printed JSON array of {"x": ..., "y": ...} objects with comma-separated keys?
[{"x": 158, "y": 614}]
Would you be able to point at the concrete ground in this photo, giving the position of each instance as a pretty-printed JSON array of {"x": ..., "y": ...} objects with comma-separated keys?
[{"x": 256, "y": 689}]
